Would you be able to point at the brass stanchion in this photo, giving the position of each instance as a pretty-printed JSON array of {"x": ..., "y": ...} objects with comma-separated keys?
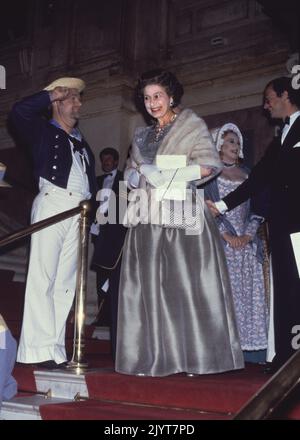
[{"x": 78, "y": 361}]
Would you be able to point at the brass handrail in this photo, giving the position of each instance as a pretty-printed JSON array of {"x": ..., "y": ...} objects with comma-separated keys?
[
  {"x": 78, "y": 358},
  {"x": 9, "y": 238},
  {"x": 266, "y": 400}
]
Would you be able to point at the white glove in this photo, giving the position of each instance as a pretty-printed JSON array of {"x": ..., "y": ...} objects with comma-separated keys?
[
  {"x": 147, "y": 169},
  {"x": 133, "y": 178},
  {"x": 185, "y": 174},
  {"x": 153, "y": 175}
]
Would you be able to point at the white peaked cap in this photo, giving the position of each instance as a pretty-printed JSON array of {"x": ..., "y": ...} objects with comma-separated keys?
[{"x": 71, "y": 83}]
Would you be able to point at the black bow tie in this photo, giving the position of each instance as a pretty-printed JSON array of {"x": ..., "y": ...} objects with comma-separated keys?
[
  {"x": 108, "y": 174},
  {"x": 287, "y": 120},
  {"x": 77, "y": 145}
]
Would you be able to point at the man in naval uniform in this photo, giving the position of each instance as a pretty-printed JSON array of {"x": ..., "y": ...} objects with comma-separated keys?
[{"x": 64, "y": 167}]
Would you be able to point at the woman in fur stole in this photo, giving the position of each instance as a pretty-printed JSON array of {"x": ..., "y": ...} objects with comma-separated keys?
[{"x": 175, "y": 304}]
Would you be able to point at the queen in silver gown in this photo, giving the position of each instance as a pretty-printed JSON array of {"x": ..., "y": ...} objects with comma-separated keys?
[{"x": 175, "y": 310}]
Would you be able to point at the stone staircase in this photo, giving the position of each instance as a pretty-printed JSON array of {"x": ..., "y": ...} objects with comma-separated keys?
[
  {"x": 25, "y": 407},
  {"x": 15, "y": 261},
  {"x": 102, "y": 394},
  {"x": 52, "y": 387},
  {"x": 38, "y": 387},
  {"x": 14, "y": 257}
]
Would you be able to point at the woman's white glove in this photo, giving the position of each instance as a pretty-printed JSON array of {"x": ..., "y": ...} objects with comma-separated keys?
[
  {"x": 133, "y": 178},
  {"x": 153, "y": 175}
]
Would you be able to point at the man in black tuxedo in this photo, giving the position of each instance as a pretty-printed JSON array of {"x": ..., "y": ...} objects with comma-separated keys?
[
  {"x": 279, "y": 170},
  {"x": 108, "y": 243}
]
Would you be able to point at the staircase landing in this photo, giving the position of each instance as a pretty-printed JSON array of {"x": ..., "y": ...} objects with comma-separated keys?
[{"x": 102, "y": 394}]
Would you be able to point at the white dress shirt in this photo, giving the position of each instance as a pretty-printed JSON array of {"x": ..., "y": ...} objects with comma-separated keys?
[
  {"x": 287, "y": 127},
  {"x": 221, "y": 205}
]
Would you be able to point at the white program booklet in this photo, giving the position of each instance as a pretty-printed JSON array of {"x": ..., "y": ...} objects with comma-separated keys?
[
  {"x": 171, "y": 190},
  {"x": 295, "y": 238}
]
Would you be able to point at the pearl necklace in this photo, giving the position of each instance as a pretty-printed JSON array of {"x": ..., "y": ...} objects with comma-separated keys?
[
  {"x": 159, "y": 130},
  {"x": 229, "y": 165}
]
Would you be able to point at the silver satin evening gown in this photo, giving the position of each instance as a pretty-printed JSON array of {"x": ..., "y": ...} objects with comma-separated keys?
[{"x": 175, "y": 310}]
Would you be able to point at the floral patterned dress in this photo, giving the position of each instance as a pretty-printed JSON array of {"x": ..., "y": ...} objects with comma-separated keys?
[{"x": 246, "y": 274}]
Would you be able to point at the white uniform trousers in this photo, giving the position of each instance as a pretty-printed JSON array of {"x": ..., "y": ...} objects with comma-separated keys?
[{"x": 51, "y": 278}]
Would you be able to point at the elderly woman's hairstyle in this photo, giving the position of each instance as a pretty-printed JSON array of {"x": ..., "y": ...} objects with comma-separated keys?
[{"x": 164, "y": 79}]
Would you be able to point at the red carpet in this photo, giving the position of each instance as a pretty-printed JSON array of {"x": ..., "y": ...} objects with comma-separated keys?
[
  {"x": 115, "y": 396},
  {"x": 97, "y": 410},
  {"x": 25, "y": 377},
  {"x": 224, "y": 393}
]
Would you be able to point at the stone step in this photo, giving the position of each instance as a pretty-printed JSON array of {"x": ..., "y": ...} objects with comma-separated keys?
[
  {"x": 19, "y": 270},
  {"x": 8, "y": 225},
  {"x": 207, "y": 397},
  {"x": 12, "y": 265},
  {"x": 26, "y": 407},
  {"x": 15, "y": 260},
  {"x": 19, "y": 277},
  {"x": 14, "y": 257},
  {"x": 64, "y": 384},
  {"x": 101, "y": 333},
  {"x": 53, "y": 386}
]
